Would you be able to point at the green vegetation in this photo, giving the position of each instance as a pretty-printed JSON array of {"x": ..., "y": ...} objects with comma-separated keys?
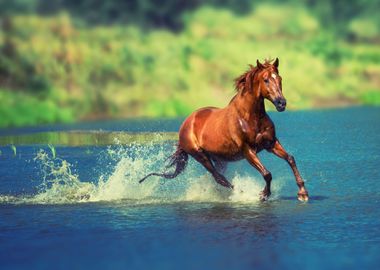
[{"x": 58, "y": 69}]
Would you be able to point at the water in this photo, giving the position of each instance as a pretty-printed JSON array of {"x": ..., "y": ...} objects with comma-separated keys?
[{"x": 77, "y": 203}]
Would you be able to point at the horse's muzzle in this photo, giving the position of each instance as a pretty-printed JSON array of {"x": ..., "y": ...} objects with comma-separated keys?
[{"x": 280, "y": 104}]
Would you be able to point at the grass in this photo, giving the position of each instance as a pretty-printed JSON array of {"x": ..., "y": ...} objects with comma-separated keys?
[{"x": 61, "y": 72}]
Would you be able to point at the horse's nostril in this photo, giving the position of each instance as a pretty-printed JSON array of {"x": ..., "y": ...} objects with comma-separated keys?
[{"x": 280, "y": 102}]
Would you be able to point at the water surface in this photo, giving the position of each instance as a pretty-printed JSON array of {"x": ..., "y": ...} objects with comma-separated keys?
[{"x": 69, "y": 198}]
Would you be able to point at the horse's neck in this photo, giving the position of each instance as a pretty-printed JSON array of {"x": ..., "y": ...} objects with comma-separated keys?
[{"x": 249, "y": 106}]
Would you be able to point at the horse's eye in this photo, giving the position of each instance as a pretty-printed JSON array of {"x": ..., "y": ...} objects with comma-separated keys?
[{"x": 266, "y": 80}]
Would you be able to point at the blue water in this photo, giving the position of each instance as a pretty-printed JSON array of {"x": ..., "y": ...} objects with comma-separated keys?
[{"x": 83, "y": 209}]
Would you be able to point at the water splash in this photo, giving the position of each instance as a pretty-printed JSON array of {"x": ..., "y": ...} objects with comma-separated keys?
[
  {"x": 52, "y": 149},
  {"x": 14, "y": 149},
  {"x": 61, "y": 185}
]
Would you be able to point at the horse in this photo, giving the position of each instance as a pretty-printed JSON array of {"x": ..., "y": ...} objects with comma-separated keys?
[{"x": 214, "y": 136}]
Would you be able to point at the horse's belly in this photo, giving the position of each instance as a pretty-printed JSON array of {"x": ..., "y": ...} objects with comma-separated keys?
[
  {"x": 237, "y": 156},
  {"x": 218, "y": 144}
]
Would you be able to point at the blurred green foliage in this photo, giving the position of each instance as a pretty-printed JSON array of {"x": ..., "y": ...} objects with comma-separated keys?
[
  {"x": 144, "y": 13},
  {"x": 55, "y": 67}
]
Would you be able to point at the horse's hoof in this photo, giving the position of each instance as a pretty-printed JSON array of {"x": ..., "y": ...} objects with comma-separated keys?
[
  {"x": 264, "y": 197},
  {"x": 303, "y": 197}
]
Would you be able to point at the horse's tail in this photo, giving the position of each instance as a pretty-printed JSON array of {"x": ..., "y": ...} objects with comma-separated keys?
[{"x": 178, "y": 159}]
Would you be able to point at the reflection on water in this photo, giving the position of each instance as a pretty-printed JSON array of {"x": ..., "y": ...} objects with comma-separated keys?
[
  {"x": 81, "y": 138},
  {"x": 254, "y": 221},
  {"x": 314, "y": 198}
]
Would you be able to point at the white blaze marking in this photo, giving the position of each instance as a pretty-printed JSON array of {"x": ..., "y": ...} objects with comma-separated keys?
[{"x": 273, "y": 76}]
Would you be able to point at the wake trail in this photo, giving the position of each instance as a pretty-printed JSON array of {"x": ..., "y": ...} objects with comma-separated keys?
[{"x": 60, "y": 185}]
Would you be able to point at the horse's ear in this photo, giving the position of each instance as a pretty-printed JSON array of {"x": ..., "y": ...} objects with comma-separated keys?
[
  {"x": 259, "y": 65},
  {"x": 276, "y": 62}
]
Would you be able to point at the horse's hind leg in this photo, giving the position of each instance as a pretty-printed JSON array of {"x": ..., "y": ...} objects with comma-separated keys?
[
  {"x": 219, "y": 165},
  {"x": 205, "y": 160}
]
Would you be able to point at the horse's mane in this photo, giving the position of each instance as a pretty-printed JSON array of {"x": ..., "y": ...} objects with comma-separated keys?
[{"x": 240, "y": 82}]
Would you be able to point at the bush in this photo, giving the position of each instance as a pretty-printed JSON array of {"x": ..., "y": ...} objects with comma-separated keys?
[
  {"x": 364, "y": 29},
  {"x": 117, "y": 71},
  {"x": 23, "y": 110}
]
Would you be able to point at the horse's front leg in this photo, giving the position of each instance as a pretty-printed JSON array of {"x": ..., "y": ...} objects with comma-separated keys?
[
  {"x": 279, "y": 151},
  {"x": 252, "y": 158}
]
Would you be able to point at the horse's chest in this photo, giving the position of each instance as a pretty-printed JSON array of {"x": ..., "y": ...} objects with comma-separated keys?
[
  {"x": 263, "y": 140},
  {"x": 258, "y": 136}
]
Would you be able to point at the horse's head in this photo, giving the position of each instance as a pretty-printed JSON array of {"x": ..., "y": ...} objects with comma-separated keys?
[
  {"x": 269, "y": 84},
  {"x": 263, "y": 81}
]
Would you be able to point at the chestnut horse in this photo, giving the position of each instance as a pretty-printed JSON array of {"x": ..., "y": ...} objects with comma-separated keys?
[{"x": 213, "y": 136}]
